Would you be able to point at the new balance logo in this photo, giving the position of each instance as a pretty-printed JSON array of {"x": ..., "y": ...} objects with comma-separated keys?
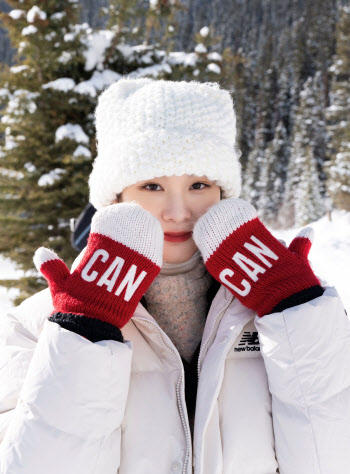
[
  {"x": 249, "y": 342},
  {"x": 250, "y": 338}
]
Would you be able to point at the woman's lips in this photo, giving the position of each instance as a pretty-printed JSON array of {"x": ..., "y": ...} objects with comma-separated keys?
[{"x": 177, "y": 236}]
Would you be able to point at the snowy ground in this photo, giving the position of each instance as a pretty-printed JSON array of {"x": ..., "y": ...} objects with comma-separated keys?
[
  {"x": 329, "y": 257},
  {"x": 330, "y": 252},
  {"x": 8, "y": 271}
]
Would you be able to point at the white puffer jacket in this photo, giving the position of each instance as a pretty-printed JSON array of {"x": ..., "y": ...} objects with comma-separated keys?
[{"x": 277, "y": 401}]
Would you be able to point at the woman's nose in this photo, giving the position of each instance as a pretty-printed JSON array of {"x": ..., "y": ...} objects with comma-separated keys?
[{"x": 176, "y": 209}]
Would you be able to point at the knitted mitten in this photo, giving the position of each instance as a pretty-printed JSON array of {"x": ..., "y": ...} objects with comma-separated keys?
[
  {"x": 244, "y": 256},
  {"x": 123, "y": 256}
]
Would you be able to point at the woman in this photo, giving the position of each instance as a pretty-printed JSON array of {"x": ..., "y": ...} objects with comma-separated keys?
[{"x": 179, "y": 278}]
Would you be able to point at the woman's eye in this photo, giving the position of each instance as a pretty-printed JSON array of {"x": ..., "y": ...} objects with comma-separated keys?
[
  {"x": 205, "y": 185},
  {"x": 150, "y": 184},
  {"x": 153, "y": 186}
]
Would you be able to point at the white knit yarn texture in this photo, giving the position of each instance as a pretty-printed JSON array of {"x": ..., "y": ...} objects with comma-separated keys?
[
  {"x": 219, "y": 222},
  {"x": 148, "y": 128},
  {"x": 307, "y": 233},
  {"x": 133, "y": 226},
  {"x": 42, "y": 255}
]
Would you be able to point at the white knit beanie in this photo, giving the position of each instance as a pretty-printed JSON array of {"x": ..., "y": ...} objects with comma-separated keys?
[{"x": 148, "y": 128}]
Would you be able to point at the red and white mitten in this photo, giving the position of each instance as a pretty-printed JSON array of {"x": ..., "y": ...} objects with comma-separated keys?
[
  {"x": 246, "y": 258},
  {"x": 123, "y": 256}
]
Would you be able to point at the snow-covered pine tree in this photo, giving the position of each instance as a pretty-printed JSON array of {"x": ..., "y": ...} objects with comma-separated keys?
[
  {"x": 256, "y": 162},
  {"x": 273, "y": 175},
  {"x": 46, "y": 123},
  {"x": 140, "y": 35},
  {"x": 338, "y": 116},
  {"x": 161, "y": 24},
  {"x": 255, "y": 175},
  {"x": 277, "y": 154},
  {"x": 239, "y": 73},
  {"x": 308, "y": 135},
  {"x": 208, "y": 61},
  {"x": 309, "y": 205}
]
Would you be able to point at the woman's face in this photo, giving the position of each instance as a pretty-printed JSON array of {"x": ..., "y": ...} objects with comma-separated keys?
[{"x": 177, "y": 202}]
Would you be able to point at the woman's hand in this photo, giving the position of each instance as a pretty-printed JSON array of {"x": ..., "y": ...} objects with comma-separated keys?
[
  {"x": 244, "y": 256},
  {"x": 123, "y": 256}
]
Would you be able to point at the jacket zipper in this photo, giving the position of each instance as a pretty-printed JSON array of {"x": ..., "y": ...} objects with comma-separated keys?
[
  {"x": 177, "y": 393},
  {"x": 208, "y": 338},
  {"x": 210, "y": 334},
  {"x": 182, "y": 373}
]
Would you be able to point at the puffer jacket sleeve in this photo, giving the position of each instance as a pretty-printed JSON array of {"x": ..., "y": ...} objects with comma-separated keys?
[
  {"x": 62, "y": 397},
  {"x": 306, "y": 350}
]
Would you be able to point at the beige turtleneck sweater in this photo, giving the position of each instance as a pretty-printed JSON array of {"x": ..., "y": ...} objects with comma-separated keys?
[{"x": 177, "y": 299}]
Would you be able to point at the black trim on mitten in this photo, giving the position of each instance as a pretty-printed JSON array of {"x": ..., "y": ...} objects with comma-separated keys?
[
  {"x": 91, "y": 328},
  {"x": 298, "y": 298}
]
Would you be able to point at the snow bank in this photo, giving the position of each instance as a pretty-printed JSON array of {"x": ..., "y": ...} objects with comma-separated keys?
[
  {"x": 8, "y": 271},
  {"x": 330, "y": 252}
]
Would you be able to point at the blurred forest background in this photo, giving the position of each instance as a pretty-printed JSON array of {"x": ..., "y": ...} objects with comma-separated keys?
[{"x": 286, "y": 64}]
